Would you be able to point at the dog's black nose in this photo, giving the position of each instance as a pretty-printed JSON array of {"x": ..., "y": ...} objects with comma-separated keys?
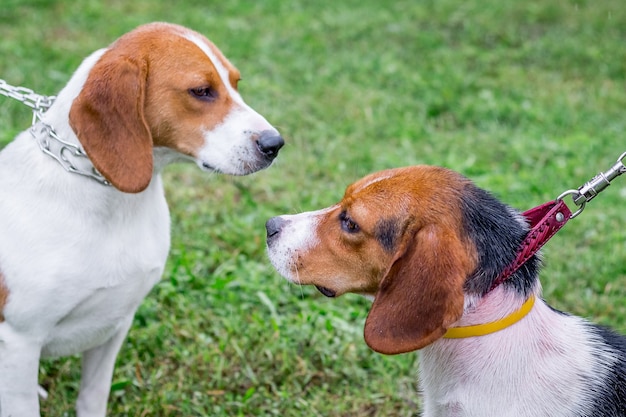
[
  {"x": 273, "y": 227},
  {"x": 269, "y": 143}
]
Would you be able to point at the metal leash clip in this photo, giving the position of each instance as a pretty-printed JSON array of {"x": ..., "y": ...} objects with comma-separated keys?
[{"x": 593, "y": 187}]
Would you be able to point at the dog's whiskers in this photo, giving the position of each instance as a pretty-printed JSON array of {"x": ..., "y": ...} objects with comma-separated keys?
[{"x": 299, "y": 283}]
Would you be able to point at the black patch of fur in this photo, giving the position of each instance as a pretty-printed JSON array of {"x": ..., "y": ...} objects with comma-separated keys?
[
  {"x": 610, "y": 398},
  {"x": 387, "y": 233},
  {"x": 497, "y": 234}
]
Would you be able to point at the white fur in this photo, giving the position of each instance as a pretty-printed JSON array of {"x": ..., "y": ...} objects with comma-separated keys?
[
  {"x": 237, "y": 155},
  {"x": 78, "y": 257},
  {"x": 542, "y": 366},
  {"x": 299, "y": 234}
]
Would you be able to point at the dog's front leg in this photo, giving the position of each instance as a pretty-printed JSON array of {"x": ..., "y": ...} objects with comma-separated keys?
[
  {"x": 96, "y": 374},
  {"x": 19, "y": 368}
]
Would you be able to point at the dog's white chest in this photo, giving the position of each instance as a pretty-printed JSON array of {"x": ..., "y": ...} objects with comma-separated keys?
[
  {"x": 91, "y": 264},
  {"x": 122, "y": 268},
  {"x": 100, "y": 312},
  {"x": 538, "y": 367}
]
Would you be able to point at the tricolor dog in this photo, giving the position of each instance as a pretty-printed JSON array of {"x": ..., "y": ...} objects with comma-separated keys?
[
  {"x": 80, "y": 249},
  {"x": 427, "y": 245}
]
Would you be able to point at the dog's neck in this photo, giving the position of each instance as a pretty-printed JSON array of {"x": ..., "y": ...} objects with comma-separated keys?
[
  {"x": 492, "y": 374},
  {"x": 494, "y": 306},
  {"x": 56, "y": 119},
  {"x": 446, "y": 364}
]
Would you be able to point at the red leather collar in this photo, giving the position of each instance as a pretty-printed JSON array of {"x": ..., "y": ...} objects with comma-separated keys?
[{"x": 545, "y": 220}]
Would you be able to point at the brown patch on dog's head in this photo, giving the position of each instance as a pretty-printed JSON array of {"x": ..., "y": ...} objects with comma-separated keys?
[
  {"x": 152, "y": 87},
  {"x": 397, "y": 235},
  {"x": 4, "y": 295}
]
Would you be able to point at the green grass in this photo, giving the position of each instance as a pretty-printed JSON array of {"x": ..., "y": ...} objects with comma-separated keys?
[{"x": 527, "y": 98}]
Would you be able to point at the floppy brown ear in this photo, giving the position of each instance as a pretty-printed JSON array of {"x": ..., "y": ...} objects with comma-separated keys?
[
  {"x": 421, "y": 294},
  {"x": 108, "y": 118}
]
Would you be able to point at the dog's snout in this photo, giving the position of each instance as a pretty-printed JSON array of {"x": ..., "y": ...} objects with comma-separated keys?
[
  {"x": 273, "y": 227},
  {"x": 269, "y": 143}
]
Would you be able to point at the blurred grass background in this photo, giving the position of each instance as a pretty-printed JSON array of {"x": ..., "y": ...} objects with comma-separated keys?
[{"x": 526, "y": 98}]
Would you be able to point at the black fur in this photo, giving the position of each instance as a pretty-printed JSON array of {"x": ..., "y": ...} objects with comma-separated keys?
[
  {"x": 610, "y": 400},
  {"x": 497, "y": 234},
  {"x": 387, "y": 233}
]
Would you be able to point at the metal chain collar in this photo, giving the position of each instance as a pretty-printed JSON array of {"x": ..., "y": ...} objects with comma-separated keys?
[{"x": 65, "y": 153}]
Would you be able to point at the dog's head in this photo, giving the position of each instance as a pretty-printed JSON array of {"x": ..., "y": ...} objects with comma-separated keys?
[
  {"x": 163, "y": 85},
  {"x": 417, "y": 239}
]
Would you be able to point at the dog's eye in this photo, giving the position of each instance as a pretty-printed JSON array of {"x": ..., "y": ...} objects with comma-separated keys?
[
  {"x": 205, "y": 93},
  {"x": 347, "y": 224}
]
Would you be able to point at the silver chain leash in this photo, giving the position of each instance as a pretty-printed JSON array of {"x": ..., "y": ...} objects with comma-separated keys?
[
  {"x": 36, "y": 102},
  {"x": 66, "y": 151},
  {"x": 595, "y": 186}
]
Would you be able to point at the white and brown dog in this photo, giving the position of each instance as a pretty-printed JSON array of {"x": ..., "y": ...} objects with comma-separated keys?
[
  {"x": 78, "y": 253},
  {"x": 427, "y": 245}
]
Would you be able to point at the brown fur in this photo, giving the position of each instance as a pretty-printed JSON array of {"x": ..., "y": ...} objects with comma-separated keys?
[
  {"x": 4, "y": 295},
  {"x": 137, "y": 96},
  {"x": 416, "y": 271},
  {"x": 422, "y": 293}
]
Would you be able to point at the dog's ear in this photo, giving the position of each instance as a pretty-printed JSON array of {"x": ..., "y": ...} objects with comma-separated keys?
[
  {"x": 422, "y": 293},
  {"x": 108, "y": 118}
]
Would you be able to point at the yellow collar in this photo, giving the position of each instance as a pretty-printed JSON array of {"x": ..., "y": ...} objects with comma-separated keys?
[{"x": 494, "y": 326}]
